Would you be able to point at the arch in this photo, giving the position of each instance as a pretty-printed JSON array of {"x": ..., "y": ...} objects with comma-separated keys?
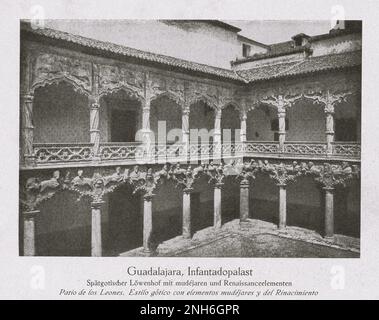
[
  {"x": 163, "y": 108},
  {"x": 230, "y": 124},
  {"x": 305, "y": 121},
  {"x": 201, "y": 118},
  {"x": 60, "y": 114},
  {"x": 120, "y": 116},
  {"x": 259, "y": 123},
  {"x": 63, "y": 226},
  {"x": 124, "y": 230},
  {"x": 347, "y": 119},
  {"x": 264, "y": 199},
  {"x": 57, "y": 80},
  {"x": 175, "y": 98},
  {"x": 167, "y": 211},
  {"x": 305, "y": 204},
  {"x": 204, "y": 99},
  {"x": 130, "y": 91}
]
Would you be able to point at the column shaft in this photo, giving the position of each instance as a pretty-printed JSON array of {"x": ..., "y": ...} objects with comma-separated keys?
[
  {"x": 244, "y": 201},
  {"x": 185, "y": 133},
  {"x": 94, "y": 127},
  {"x": 96, "y": 241},
  {"x": 27, "y": 129},
  {"x": 282, "y": 206},
  {"x": 186, "y": 214},
  {"x": 217, "y": 135},
  {"x": 329, "y": 212},
  {"x": 329, "y": 132},
  {"x": 282, "y": 129},
  {"x": 243, "y": 129},
  {"x": 29, "y": 232},
  {"x": 217, "y": 221},
  {"x": 147, "y": 223}
]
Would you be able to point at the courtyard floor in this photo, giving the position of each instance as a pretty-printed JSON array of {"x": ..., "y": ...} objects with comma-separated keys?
[{"x": 256, "y": 238}]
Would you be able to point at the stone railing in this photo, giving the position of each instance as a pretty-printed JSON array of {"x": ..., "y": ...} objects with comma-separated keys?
[
  {"x": 347, "y": 149},
  {"x": 132, "y": 152},
  {"x": 305, "y": 148},
  {"x": 62, "y": 152}
]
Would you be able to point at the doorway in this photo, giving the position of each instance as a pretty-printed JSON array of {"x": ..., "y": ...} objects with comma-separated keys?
[{"x": 123, "y": 125}]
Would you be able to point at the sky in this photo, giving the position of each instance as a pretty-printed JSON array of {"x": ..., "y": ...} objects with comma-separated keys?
[{"x": 269, "y": 32}]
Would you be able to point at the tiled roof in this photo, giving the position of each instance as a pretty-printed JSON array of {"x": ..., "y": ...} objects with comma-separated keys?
[
  {"x": 308, "y": 65},
  {"x": 131, "y": 52}
]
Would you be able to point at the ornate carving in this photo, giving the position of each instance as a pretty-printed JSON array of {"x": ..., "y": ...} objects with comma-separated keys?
[
  {"x": 114, "y": 78},
  {"x": 196, "y": 91},
  {"x": 282, "y": 173},
  {"x": 159, "y": 85},
  {"x": 330, "y": 175},
  {"x": 328, "y": 99},
  {"x": 50, "y": 68},
  {"x": 37, "y": 191},
  {"x": 281, "y": 102},
  {"x": 185, "y": 178},
  {"x": 246, "y": 171},
  {"x": 97, "y": 186},
  {"x": 215, "y": 173}
]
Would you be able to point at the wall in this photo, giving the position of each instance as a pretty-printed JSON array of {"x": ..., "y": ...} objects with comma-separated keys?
[
  {"x": 195, "y": 41},
  {"x": 258, "y": 124},
  {"x": 350, "y": 42},
  {"x": 60, "y": 115},
  {"x": 306, "y": 122}
]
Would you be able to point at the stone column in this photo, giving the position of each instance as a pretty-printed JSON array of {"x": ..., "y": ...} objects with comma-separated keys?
[
  {"x": 282, "y": 128},
  {"x": 27, "y": 129},
  {"x": 187, "y": 213},
  {"x": 329, "y": 124},
  {"x": 94, "y": 126},
  {"x": 243, "y": 118},
  {"x": 217, "y": 218},
  {"x": 217, "y": 135},
  {"x": 185, "y": 132},
  {"x": 29, "y": 232},
  {"x": 244, "y": 201},
  {"x": 96, "y": 245},
  {"x": 282, "y": 206},
  {"x": 146, "y": 132},
  {"x": 329, "y": 212},
  {"x": 147, "y": 223}
]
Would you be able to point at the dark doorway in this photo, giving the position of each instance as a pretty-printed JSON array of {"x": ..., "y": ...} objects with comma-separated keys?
[
  {"x": 345, "y": 130},
  {"x": 123, "y": 127},
  {"x": 125, "y": 224}
]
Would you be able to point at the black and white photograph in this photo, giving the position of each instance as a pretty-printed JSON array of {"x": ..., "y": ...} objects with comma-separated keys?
[{"x": 208, "y": 142}]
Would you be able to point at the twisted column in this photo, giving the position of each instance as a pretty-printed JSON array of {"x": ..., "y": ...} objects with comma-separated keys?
[
  {"x": 217, "y": 135},
  {"x": 27, "y": 129},
  {"x": 185, "y": 131},
  {"x": 329, "y": 125},
  {"x": 282, "y": 128},
  {"x": 94, "y": 126}
]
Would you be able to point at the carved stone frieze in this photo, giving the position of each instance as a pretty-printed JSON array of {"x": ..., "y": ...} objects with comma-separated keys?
[
  {"x": 159, "y": 85},
  {"x": 185, "y": 177},
  {"x": 197, "y": 91},
  {"x": 50, "y": 68},
  {"x": 113, "y": 78}
]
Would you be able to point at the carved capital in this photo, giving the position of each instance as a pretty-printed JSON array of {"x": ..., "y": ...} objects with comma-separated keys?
[
  {"x": 331, "y": 175},
  {"x": 281, "y": 102},
  {"x": 328, "y": 99},
  {"x": 281, "y": 173},
  {"x": 185, "y": 178},
  {"x": 215, "y": 173}
]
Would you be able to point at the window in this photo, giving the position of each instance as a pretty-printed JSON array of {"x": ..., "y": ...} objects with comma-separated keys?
[{"x": 245, "y": 50}]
